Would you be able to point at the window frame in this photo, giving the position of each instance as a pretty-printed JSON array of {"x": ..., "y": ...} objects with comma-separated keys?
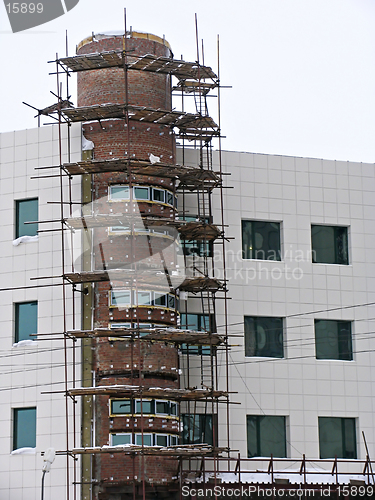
[
  {"x": 260, "y": 452},
  {"x": 169, "y": 198},
  {"x": 112, "y": 413},
  {"x": 133, "y": 299},
  {"x": 171, "y": 404},
  {"x": 166, "y": 436},
  {"x": 118, "y": 200},
  {"x": 141, "y": 187},
  {"x": 17, "y": 320},
  {"x": 273, "y": 342},
  {"x": 340, "y": 341},
  {"x": 156, "y": 401},
  {"x": 144, "y": 292},
  {"x": 16, "y": 435},
  {"x": 202, "y": 318},
  {"x": 145, "y": 435},
  {"x": 142, "y": 402},
  {"x": 120, "y": 434},
  {"x": 344, "y": 441},
  {"x": 111, "y": 297},
  {"x": 346, "y": 259},
  {"x": 172, "y": 439},
  {"x": 25, "y": 229},
  {"x": 251, "y": 248},
  {"x": 202, "y": 429},
  {"x": 158, "y": 190}
]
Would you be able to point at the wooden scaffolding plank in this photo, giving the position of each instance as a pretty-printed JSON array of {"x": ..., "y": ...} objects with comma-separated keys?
[
  {"x": 133, "y": 391},
  {"x": 189, "y": 230},
  {"x": 112, "y": 59},
  {"x": 184, "y": 450},
  {"x": 172, "y": 335}
]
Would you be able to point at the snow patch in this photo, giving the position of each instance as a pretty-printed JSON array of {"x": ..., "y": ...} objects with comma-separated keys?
[
  {"x": 25, "y": 239},
  {"x": 22, "y": 343},
  {"x": 86, "y": 144},
  {"x": 293, "y": 475},
  {"x": 154, "y": 159},
  {"x": 24, "y": 451}
]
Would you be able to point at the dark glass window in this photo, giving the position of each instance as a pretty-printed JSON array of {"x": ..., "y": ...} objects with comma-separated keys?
[
  {"x": 145, "y": 407},
  {"x": 198, "y": 248},
  {"x": 199, "y": 323},
  {"x": 171, "y": 302},
  {"x": 26, "y": 320},
  {"x": 161, "y": 440},
  {"x": 261, "y": 240},
  {"x": 160, "y": 299},
  {"x": 197, "y": 429},
  {"x": 24, "y": 428},
  {"x": 329, "y": 244},
  {"x": 26, "y": 211},
  {"x": 158, "y": 195},
  {"x": 121, "y": 407},
  {"x": 173, "y": 440},
  {"x": 337, "y": 437},
  {"x": 141, "y": 193},
  {"x": 333, "y": 339},
  {"x": 174, "y": 408},
  {"x": 162, "y": 407},
  {"x": 264, "y": 336},
  {"x": 266, "y": 435},
  {"x": 169, "y": 199},
  {"x": 147, "y": 439}
]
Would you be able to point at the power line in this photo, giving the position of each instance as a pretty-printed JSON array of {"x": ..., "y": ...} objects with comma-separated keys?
[
  {"x": 261, "y": 409},
  {"x": 341, "y": 308}
]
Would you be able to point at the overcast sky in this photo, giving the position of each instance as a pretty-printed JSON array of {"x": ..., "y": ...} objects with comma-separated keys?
[{"x": 302, "y": 72}]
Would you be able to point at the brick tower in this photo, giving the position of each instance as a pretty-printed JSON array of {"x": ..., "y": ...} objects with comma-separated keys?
[
  {"x": 128, "y": 301},
  {"x": 135, "y": 265}
]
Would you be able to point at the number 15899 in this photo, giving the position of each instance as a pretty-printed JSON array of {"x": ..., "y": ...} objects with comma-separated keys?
[{"x": 24, "y": 8}]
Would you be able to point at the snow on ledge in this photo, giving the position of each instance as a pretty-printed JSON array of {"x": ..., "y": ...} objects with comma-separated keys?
[
  {"x": 23, "y": 343},
  {"x": 25, "y": 239},
  {"x": 24, "y": 451},
  {"x": 294, "y": 476}
]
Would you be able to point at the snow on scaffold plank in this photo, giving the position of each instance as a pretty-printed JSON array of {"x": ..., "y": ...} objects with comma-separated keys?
[
  {"x": 147, "y": 392},
  {"x": 112, "y": 59}
]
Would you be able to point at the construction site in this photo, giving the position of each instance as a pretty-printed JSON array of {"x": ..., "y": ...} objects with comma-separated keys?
[{"x": 161, "y": 399}]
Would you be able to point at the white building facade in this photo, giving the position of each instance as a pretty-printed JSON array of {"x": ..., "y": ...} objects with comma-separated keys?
[
  {"x": 301, "y": 271},
  {"x": 32, "y": 380},
  {"x": 302, "y": 282}
]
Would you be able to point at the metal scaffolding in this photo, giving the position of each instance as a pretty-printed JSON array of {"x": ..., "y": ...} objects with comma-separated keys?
[{"x": 194, "y": 80}]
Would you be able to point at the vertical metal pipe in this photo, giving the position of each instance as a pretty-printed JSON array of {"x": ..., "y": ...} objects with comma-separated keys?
[{"x": 59, "y": 92}]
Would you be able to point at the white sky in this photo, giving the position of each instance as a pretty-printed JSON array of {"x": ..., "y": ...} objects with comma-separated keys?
[{"x": 302, "y": 71}]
